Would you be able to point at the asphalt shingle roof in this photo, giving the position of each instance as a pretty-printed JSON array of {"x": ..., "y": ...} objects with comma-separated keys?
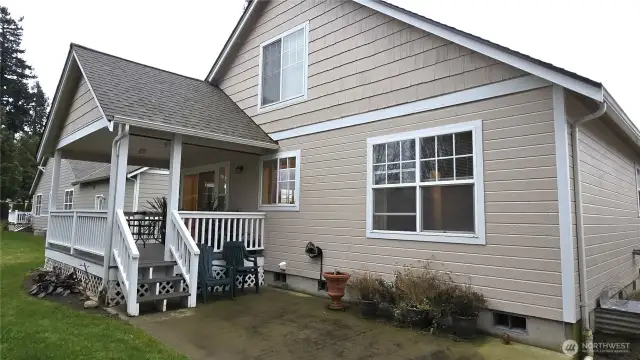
[
  {"x": 129, "y": 89},
  {"x": 101, "y": 173},
  {"x": 81, "y": 168}
]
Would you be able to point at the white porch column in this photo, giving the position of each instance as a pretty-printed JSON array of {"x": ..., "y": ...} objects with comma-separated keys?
[
  {"x": 175, "y": 158},
  {"x": 53, "y": 193},
  {"x": 117, "y": 186}
]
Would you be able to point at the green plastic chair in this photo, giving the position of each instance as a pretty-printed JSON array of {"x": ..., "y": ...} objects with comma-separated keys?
[
  {"x": 234, "y": 253},
  {"x": 206, "y": 278}
]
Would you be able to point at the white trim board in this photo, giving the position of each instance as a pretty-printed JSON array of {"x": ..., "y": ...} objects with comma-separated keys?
[
  {"x": 520, "y": 84},
  {"x": 564, "y": 206},
  {"x": 138, "y": 171},
  {"x": 280, "y": 207},
  {"x": 82, "y": 132},
  {"x": 492, "y": 51},
  {"x": 108, "y": 123},
  {"x": 78, "y": 263}
]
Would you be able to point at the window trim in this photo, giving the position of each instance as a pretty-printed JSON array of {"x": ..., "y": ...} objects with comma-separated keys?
[
  {"x": 64, "y": 199},
  {"x": 305, "y": 71},
  {"x": 280, "y": 207},
  {"x": 637, "y": 169},
  {"x": 37, "y": 208},
  {"x": 478, "y": 167}
]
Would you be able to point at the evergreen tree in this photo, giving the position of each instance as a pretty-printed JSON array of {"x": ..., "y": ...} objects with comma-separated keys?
[
  {"x": 14, "y": 74},
  {"x": 38, "y": 115}
]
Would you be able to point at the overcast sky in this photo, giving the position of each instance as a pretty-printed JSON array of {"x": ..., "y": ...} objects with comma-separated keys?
[{"x": 597, "y": 39}]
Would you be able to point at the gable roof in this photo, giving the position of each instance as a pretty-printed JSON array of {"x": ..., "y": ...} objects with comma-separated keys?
[
  {"x": 555, "y": 74},
  {"x": 132, "y": 93},
  {"x": 102, "y": 173}
]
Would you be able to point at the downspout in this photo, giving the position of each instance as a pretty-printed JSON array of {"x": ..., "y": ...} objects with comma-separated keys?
[
  {"x": 112, "y": 213},
  {"x": 577, "y": 188}
]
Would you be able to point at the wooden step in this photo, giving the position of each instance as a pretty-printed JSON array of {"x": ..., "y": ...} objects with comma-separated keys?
[
  {"x": 156, "y": 263},
  {"x": 162, "y": 296},
  {"x": 160, "y": 279}
]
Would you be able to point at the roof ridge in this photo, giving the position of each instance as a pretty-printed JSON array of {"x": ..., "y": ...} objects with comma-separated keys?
[{"x": 137, "y": 63}]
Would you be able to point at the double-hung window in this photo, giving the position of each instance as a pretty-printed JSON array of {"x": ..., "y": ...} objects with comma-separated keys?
[
  {"x": 427, "y": 185},
  {"x": 99, "y": 202},
  {"x": 280, "y": 181},
  {"x": 68, "y": 199},
  {"x": 37, "y": 205},
  {"x": 283, "y": 68}
]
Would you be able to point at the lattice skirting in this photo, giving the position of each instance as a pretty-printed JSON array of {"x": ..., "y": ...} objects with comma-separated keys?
[
  {"x": 115, "y": 295},
  {"x": 91, "y": 281}
]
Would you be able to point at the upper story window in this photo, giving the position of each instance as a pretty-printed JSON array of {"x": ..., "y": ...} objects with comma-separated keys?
[
  {"x": 283, "y": 68},
  {"x": 427, "y": 185},
  {"x": 68, "y": 199},
  {"x": 37, "y": 204},
  {"x": 280, "y": 181}
]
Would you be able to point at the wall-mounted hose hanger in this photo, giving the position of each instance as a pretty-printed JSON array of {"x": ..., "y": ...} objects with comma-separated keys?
[{"x": 313, "y": 252}]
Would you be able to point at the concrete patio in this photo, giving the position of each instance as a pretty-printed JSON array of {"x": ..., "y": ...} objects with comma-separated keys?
[{"x": 286, "y": 325}]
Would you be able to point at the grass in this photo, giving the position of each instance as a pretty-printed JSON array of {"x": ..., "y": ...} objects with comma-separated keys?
[{"x": 33, "y": 329}]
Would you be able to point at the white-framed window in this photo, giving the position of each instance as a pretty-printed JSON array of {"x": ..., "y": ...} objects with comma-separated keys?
[
  {"x": 638, "y": 186},
  {"x": 99, "y": 202},
  {"x": 427, "y": 185},
  {"x": 37, "y": 204},
  {"x": 280, "y": 181},
  {"x": 68, "y": 199},
  {"x": 283, "y": 64}
]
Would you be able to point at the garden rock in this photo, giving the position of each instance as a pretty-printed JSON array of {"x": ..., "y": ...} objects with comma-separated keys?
[{"x": 90, "y": 304}]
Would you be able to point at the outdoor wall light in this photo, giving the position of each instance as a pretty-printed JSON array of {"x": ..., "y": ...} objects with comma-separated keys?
[{"x": 239, "y": 169}]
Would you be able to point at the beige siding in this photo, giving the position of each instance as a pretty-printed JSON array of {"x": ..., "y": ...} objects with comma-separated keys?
[
  {"x": 82, "y": 111},
  {"x": 359, "y": 60},
  {"x": 610, "y": 204},
  {"x": 519, "y": 267},
  {"x": 86, "y": 194},
  {"x": 44, "y": 188},
  {"x": 150, "y": 187}
]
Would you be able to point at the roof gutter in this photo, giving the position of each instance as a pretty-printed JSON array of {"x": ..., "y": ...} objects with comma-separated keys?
[{"x": 577, "y": 188}]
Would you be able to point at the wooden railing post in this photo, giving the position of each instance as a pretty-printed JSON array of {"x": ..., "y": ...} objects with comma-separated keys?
[{"x": 73, "y": 230}]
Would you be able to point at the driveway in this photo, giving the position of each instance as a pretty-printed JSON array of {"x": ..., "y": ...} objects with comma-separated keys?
[{"x": 286, "y": 325}]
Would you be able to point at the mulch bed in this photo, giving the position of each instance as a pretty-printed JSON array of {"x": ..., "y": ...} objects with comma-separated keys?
[{"x": 74, "y": 301}]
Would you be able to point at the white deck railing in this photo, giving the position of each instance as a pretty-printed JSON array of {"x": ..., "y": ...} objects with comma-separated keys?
[
  {"x": 126, "y": 255},
  {"x": 185, "y": 251},
  {"x": 19, "y": 217},
  {"x": 216, "y": 228},
  {"x": 78, "y": 230}
]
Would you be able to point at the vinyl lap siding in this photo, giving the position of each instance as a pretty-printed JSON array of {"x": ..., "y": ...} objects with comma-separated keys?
[
  {"x": 151, "y": 186},
  {"x": 359, "y": 60},
  {"x": 518, "y": 269},
  {"x": 82, "y": 111},
  {"x": 44, "y": 188},
  {"x": 86, "y": 195}
]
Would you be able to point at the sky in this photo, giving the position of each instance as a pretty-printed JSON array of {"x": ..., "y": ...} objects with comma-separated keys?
[{"x": 595, "y": 39}]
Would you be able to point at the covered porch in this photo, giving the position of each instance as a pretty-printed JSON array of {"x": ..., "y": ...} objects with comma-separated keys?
[{"x": 211, "y": 149}]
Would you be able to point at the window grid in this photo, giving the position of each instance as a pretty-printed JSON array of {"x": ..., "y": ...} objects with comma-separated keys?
[
  {"x": 287, "y": 179},
  {"x": 38, "y": 204},
  {"x": 68, "y": 199},
  {"x": 290, "y": 200}
]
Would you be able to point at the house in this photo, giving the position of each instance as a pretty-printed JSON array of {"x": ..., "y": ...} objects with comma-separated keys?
[
  {"x": 382, "y": 136},
  {"x": 85, "y": 185}
]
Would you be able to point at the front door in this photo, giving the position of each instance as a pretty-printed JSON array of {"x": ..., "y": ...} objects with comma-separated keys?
[{"x": 206, "y": 188}]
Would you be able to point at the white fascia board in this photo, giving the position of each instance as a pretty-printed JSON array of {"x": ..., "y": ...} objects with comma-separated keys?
[
  {"x": 621, "y": 119},
  {"x": 502, "y": 88},
  {"x": 104, "y": 117},
  {"x": 138, "y": 171},
  {"x": 581, "y": 87}
]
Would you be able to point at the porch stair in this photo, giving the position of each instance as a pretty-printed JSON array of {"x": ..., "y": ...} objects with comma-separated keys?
[{"x": 156, "y": 272}]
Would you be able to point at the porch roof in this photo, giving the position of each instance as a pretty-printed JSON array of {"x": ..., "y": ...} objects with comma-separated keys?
[{"x": 141, "y": 95}]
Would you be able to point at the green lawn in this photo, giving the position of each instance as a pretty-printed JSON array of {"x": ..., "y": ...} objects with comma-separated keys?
[{"x": 39, "y": 329}]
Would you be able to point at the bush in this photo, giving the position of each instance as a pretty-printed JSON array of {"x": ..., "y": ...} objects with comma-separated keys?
[
  {"x": 418, "y": 287},
  {"x": 467, "y": 302},
  {"x": 364, "y": 286}
]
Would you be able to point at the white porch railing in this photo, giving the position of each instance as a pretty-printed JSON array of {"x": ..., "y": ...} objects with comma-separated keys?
[
  {"x": 216, "y": 228},
  {"x": 186, "y": 253},
  {"x": 126, "y": 255},
  {"x": 19, "y": 217},
  {"x": 78, "y": 230}
]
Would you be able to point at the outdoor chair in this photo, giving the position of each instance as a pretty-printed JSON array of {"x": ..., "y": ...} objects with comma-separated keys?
[
  {"x": 206, "y": 276},
  {"x": 234, "y": 253}
]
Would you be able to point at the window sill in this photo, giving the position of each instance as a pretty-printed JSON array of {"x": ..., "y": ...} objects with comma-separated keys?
[
  {"x": 471, "y": 239},
  {"x": 279, "y": 208},
  {"x": 281, "y": 104}
]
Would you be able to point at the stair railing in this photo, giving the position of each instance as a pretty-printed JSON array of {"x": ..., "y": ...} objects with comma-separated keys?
[
  {"x": 126, "y": 256},
  {"x": 185, "y": 251}
]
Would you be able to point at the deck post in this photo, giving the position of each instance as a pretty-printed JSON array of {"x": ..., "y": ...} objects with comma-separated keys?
[
  {"x": 117, "y": 179},
  {"x": 55, "y": 186},
  {"x": 175, "y": 158}
]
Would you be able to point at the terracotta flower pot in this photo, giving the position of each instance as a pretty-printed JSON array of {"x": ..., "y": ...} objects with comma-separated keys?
[{"x": 335, "y": 288}]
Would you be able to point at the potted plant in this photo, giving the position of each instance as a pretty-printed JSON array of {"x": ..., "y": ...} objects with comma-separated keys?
[
  {"x": 466, "y": 304},
  {"x": 387, "y": 299},
  {"x": 364, "y": 289},
  {"x": 336, "y": 283},
  {"x": 416, "y": 287}
]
